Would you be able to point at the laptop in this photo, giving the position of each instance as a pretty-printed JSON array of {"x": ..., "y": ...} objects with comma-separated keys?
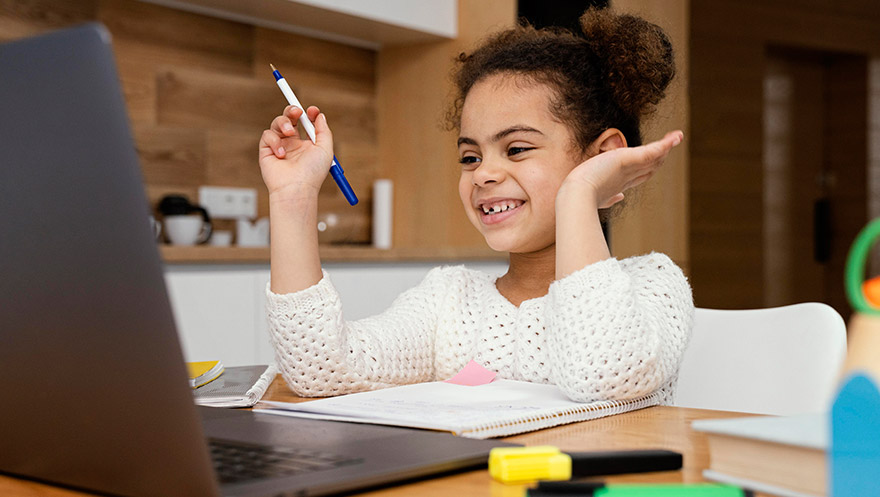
[{"x": 94, "y": 385}]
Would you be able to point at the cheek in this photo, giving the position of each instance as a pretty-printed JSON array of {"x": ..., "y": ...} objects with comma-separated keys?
[
  {"x": 465, "y": 189},
  {"x": 543, "y": 186}
]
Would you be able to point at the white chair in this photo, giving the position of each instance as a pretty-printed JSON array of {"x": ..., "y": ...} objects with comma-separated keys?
[{"x": 782, "y": 360}]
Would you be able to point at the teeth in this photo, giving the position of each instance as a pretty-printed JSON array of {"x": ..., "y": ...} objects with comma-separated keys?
[{"x": 495, "y": 209}]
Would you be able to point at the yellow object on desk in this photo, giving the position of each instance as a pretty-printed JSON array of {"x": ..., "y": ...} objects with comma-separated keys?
[
  {"x": 203, "y": 372},
  {"x": 527, "y": 464}
]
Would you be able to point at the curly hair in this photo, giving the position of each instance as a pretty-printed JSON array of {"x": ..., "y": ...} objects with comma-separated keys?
[{"x": 611, "y": 77}]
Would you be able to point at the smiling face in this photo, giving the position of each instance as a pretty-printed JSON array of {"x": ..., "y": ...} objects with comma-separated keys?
[{"x": 515, "y": 155}]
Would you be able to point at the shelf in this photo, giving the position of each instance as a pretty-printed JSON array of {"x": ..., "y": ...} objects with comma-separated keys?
[
  {"x": 366, "y": 23},
  {"x": 329, "y": 253}
]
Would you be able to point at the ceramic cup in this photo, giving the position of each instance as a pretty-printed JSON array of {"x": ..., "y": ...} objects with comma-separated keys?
[
  {"x": 221, "y": 238},
  {"x": 186, "y": 230}
]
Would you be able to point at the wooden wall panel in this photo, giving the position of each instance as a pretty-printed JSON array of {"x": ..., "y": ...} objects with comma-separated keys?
[
  {"x": 656, "y": 218},
  {"x": 301, "y": 59},
  {"x": 199, "y": 93},
  {"x": 139, "y": 89},
  {"x": 171, "y": 155},
  {"x": 230, "y": 159},
  {"x": 728, "y": 42},
  {"x": 19, "y": 19},
  {"x": 157, "y": 36},
  {"x": 341, "y": 81},
  {"x": 414, "y": 86},
  {"x": 208, "y": 100}
]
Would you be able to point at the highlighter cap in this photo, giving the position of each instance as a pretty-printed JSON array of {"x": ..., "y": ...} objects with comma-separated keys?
[{"x": 526, "y": 464}]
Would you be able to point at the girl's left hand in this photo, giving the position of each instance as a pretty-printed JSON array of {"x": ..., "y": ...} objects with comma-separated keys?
[{"x": 608, "y": 174}]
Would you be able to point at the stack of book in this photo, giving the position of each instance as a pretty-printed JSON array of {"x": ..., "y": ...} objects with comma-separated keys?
[
  {"x": 241, "y": 386},
  {"x": 784, "y": 456}
]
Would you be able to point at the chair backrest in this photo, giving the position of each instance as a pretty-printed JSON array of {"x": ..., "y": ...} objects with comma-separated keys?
[{"x": 782, "y": 360}]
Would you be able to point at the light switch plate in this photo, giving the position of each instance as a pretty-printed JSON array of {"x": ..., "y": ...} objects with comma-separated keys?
[{"x": 228, "y": 202}]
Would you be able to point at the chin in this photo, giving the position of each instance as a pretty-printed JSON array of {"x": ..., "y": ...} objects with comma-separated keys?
[
  {"x": 503, "y": 245},
  {"x": 495, "y": 244},
  {"x": 517, "y": 246}
]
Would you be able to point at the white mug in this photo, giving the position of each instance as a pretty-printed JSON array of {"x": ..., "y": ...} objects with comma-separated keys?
[
  {"x": 221, "y": 238},
  {"x": 252, "y": 235},
  {"x": 187, "y": 230}
]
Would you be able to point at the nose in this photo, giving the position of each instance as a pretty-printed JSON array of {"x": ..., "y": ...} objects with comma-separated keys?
[{"x": 489, "y": 171}]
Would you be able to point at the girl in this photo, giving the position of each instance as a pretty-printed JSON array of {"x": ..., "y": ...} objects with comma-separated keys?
[{"x": 548, "y": 136}]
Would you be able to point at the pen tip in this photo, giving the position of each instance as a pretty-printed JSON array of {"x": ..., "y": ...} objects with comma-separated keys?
[{"x": 273, "y": 68}]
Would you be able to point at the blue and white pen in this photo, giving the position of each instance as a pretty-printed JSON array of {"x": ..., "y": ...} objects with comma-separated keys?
[{"x": 335, "y": 168}]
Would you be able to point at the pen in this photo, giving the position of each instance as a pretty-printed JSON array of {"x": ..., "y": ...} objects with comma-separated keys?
[
  {"x": 590, "y": 489},
  {"x": 546, "y": 462},
  {"x": 335, "y": 168}
]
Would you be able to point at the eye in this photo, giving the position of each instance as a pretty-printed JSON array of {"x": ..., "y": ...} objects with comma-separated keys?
[
  {"x": 469, "y": 161},
  {"x": 518, "y": 150}
]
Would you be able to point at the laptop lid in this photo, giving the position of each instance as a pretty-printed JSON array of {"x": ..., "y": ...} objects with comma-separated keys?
[
  {"x": 93, "y": 379},
  {"x": 95, "y": 391}
]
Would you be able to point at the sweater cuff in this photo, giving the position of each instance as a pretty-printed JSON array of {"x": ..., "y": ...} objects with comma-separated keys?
[
  {"x": 596, "y": 275},
  {"x": 322, "y": 291}
]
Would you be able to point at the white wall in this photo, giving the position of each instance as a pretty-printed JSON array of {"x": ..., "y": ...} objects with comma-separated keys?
[{"x": 220, "y": 310}]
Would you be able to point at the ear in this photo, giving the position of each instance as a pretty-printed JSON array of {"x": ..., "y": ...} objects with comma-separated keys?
[{"x": 610, "y": 139}]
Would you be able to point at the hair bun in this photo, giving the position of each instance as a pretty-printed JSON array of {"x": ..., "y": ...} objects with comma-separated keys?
[{"x": 638, "y": 58}]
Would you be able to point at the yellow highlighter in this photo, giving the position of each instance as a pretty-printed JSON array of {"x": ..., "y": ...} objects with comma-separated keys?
[
  {"x": 525, "y": 464},
  {"x": 546, "y": 462}
]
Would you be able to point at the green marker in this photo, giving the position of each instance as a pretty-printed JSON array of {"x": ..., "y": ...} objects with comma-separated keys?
[{"x": 585, "y": 489}]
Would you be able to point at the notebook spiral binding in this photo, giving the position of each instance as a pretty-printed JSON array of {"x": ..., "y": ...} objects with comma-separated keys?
[{"x": 549, "y": 418}]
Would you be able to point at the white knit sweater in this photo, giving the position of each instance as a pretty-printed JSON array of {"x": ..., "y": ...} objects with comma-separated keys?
[{"x": 613, "y": 330}]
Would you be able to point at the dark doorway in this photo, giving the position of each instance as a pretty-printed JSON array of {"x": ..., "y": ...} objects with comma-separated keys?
[
  {"x": 541, "y": 13},
  {"x": 815, "y": 182}
]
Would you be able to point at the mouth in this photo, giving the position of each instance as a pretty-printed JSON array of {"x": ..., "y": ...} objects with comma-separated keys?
[{"x": 498, "y": 210}]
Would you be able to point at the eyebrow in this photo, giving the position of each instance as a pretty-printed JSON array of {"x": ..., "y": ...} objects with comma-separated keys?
[{"x": 463, "y": 140}]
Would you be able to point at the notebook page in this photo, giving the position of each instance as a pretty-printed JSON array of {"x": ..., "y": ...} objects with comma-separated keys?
[{"x": 456, "y": 408}]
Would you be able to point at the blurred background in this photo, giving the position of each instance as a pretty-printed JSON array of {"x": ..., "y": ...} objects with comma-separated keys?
[{"x": 779, "y": 101}]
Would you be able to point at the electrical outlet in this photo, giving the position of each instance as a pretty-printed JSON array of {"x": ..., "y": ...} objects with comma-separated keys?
[{"x": 229, "y": 203}]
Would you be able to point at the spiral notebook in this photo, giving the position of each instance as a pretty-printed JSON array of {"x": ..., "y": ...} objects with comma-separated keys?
[
  {"x": 496, "y": 409},
  {"x": 241, "y": 386}
]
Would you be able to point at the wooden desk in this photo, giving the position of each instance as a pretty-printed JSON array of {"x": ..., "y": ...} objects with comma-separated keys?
[{"x": 655, "y": 427}]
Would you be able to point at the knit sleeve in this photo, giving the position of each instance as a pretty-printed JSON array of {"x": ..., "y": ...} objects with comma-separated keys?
[
  {"x": 618, "y": 329},
  {"x": 320, "y": 354}
]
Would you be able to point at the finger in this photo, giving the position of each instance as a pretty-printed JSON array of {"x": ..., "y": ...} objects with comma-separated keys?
[
  {"x": 655, "y": 151},
  {"x": 640, "y": 160},
  {"x": 323, "y": 135},
  {"x": 283, "y": 125},
  {"x": 611, "y": 201},
  {"x": 670, "y": 139},
  {"x": 660, "y": 148},
  {"x": 271, "y": 140},
  {"x": 312, "y": 112},
  {"x": 293, "y": 112},
  {"x": 639, "y": 180}
]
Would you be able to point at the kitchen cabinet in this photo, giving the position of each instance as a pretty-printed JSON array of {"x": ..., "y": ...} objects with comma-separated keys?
[
  {"x": 220, "y": 311},
  {"x": 366, "y": 23}
]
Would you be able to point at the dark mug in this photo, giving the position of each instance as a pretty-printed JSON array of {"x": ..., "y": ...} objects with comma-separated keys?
[{"x": 177, "y": 208}]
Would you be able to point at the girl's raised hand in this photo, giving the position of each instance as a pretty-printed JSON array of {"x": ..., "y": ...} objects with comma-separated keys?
[
  {"x": 290, "y": 164},
  {"x": 608, "y": 174}
]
